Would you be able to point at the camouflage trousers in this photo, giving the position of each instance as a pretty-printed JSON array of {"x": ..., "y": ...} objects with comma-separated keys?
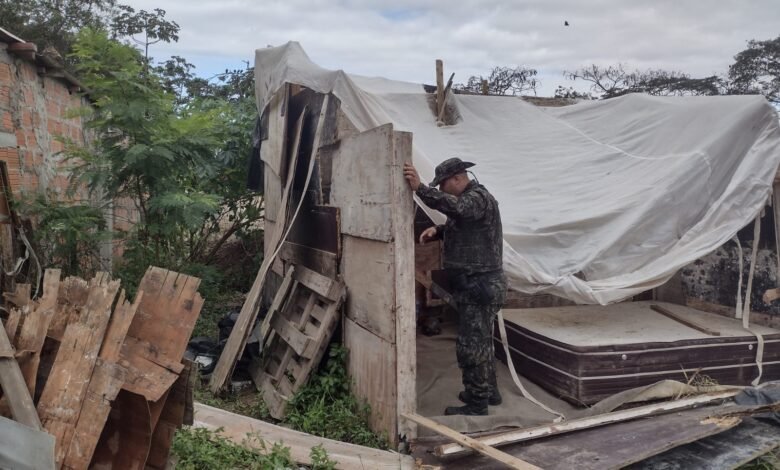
[
  {"x": 474, "y": 349},
  {"x": 479, "y": 297}
]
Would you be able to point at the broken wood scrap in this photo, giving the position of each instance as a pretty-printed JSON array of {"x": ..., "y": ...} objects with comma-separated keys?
[
  {"x": 689, "y": 323},
  {"x": 31, "y": 335},
  {"x": 160, "y": 329},
  {"x": 523, "y": 435},
  {"x": 504, "y": 458},
  {"x": 257, "y": 435}
]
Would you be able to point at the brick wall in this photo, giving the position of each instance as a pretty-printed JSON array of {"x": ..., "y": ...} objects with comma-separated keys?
[{"x": 34, "y": 114}]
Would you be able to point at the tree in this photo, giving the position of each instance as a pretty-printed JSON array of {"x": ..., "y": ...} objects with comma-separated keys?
[
  {"x": 504, "y": 81},
  {"x": 756, "y": 70},
  {"x": 54, "y": 23},
  {"x": 571, "y": 93},
  {"x": 616, "y": 80}
]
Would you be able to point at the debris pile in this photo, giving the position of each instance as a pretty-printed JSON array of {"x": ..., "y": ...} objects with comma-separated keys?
[{"x": 104, "y": 376}]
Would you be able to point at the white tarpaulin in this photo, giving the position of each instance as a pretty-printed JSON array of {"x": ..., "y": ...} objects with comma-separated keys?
[{"x": 600, "y": 200}]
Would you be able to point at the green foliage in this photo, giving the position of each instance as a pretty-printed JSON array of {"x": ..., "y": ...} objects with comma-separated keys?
[
  {"x": 68, "y": 234},
  {"x": 769, "y": 461},
  {"x": 203, "y": 449},
  {"x": 325, "y": 407},
  {"x": 248, "y": 404}
]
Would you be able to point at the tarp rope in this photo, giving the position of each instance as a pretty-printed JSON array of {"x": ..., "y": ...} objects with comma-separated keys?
[
  {"x": 743, "y": 310},
  {"x": 515, "y": 378}
]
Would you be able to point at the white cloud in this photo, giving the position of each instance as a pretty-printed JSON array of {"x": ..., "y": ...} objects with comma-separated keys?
[{"x": 401, "y": 39}]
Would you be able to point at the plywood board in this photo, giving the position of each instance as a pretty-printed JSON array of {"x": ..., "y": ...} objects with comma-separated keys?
[
  {"x": 725, "y": 451},
  {"x": 372, "y": 365},
  {"x": 361, "y": 186},
  {"x": 368, "y": 267},
  {"x": 323, "y": 262}
]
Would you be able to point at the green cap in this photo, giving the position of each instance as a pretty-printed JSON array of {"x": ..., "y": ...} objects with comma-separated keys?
[{"x": 449, "y": 167}]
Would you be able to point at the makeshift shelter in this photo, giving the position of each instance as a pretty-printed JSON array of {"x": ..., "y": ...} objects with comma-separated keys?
[{"x": 600, "y": 201}]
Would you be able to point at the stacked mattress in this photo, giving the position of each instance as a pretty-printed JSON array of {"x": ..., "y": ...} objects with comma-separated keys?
[{"x": 586, "y": 353}]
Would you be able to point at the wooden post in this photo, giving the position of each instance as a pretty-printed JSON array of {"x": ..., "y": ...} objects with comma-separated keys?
[
  {"x": 485, "y": 88},
  {"x": 439, "y": 85}
]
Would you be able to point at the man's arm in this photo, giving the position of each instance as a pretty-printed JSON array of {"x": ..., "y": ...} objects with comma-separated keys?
[{"x": 470, "y": 205}]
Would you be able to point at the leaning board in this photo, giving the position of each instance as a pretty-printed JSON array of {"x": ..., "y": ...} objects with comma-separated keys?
[{"x": 586, "y": 353}]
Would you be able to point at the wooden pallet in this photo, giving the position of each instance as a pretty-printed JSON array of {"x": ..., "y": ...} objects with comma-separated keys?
[{"x": 297, "y": 330}]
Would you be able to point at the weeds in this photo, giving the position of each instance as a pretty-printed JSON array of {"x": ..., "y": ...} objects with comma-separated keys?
[
  {"x": 325, "y": 406},
  {"x": 769, "y": 461},
  {"x": 203, "y": 449}
]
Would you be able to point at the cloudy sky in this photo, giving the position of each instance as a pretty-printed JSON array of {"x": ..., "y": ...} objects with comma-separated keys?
[{"x": 400, "y": 39}]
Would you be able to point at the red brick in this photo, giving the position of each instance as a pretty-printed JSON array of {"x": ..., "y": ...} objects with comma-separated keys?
[
  {"x": 5, "y": 73},
  {"x": 6, "y": 121}
]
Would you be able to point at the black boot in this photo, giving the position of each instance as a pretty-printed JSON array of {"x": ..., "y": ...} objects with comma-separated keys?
[
  {"x": 494, "y": 400},
  {"x": 470, "y": 409}
]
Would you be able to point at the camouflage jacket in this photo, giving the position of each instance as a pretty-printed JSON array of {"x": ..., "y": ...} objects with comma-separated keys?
[{"x": 473, "y": 238}]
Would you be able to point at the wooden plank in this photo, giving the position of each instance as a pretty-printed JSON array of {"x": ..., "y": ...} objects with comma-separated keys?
[
  {"x": 435, "y": 289},
  {"x": 238, "y": 336},
  {"x": 512, "y": 462},
  {"x": 298, "y": 341},
  {"x": 276, "y": 305},
  {"x": 372, "y": 366},
  {"x": 14, "y": 387},
  {"x": 328, "y": 288},
  {"x": 24, "y": 448},
  {"x": 118, "y": 326},
  {"x": 72, "y": 296},
  {"x": 362, "y": 186},
  {"x": 727, "y": 450},
  {"x": 104, "y": 386},
  {"x": 691, "y": 324},
  {"x": 66, "y": 387},
  {"x": 320, "y": 261},
  {"x": 523, "y": 435},
  {"x": 32, "y": 334},
  {"x": 20, "y": 296},
  {"x": 404, "y": 301},
  {"x": 367, "y": 267},
  {"x": 347, "y": 456}
]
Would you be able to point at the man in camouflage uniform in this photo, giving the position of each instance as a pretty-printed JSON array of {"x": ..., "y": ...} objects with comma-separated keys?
[{"x": 473, "y": 254}]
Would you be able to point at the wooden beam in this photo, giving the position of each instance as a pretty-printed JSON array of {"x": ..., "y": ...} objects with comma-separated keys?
[
  {"x": 689, "y": 323},
  {"x": 506, "y": 459},
  {"x": 403, "y": 260},
  {"x": 347, "y": 456},
  {"x": 522, "y": 435},
  {"x": 439, "y": 85}
]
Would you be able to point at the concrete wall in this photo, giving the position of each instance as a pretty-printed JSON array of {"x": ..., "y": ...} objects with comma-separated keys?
[{"x": 33, "y": 114}]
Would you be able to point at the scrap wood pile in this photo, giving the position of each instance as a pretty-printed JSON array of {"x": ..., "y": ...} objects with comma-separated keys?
[{"x": 104, "y": 376}]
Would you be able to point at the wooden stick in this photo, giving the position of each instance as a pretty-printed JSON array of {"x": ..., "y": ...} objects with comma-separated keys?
[
  {"x": 480, "y": 447},
  {"x": 686, "y": 322},
  {"x": 522, "y": 435}
]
